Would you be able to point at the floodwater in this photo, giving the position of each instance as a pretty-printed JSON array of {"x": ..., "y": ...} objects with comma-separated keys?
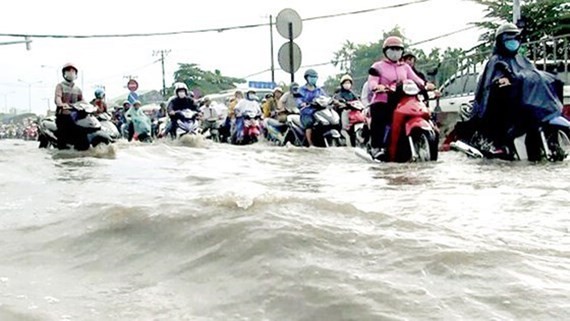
[{"x": 216, "y": 232}]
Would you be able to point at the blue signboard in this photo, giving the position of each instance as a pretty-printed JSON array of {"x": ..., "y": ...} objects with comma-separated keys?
[
  {"x": 262, "y": 84},
  {"x": 133, "y": 96}
]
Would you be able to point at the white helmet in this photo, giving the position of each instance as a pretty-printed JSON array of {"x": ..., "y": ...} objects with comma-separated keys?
[{"x": 180, "y": 86}]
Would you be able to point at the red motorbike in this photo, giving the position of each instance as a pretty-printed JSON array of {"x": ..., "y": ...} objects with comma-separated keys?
[
  {"x": 31, "y": 132},
  {"x": 413, "y": 136}
]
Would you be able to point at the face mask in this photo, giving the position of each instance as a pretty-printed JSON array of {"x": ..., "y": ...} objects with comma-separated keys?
[
  {"x": 69, "y": 76},
  {"x": 181, "y": 94},
  {"x": 312, "y": 80},
  {"x": 512, "y": 45},
  {"x": 394, "y": 54},
  {"x": 347, "y": 86}
]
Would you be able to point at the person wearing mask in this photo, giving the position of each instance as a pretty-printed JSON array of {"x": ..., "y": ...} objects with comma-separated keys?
[
  {"x": 344, "y": 95},
  {"x": 288, "y": 102},
  {"x": 384, "y": 74},
  {"x": 181, "y": 101},
  {"x": 512, "y": 94},
  {"x": 245, "y": 106},
  {"x": 66, "y": 94},
  {"x": 308, "y": 93}
]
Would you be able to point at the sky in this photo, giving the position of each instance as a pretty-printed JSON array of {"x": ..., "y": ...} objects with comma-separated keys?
[{"x": 28, "y": 78}]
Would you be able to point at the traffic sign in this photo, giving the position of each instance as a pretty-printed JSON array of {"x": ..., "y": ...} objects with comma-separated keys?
[
  {"x": 286, "y": 17},
  {"x": 284, "y": 57},
  {"x": 132, "y": 85}
]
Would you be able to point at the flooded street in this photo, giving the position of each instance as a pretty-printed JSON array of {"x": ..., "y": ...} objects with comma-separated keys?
[{"x": 218, "y": 232}]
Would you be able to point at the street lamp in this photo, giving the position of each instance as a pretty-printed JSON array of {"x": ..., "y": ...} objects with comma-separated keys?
[
  {"x": 6, "y": 100},
  {"x": 30, "y": 92}
]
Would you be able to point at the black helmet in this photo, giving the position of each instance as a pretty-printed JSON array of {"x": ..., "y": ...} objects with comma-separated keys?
[{"x": 310, "y": 73}]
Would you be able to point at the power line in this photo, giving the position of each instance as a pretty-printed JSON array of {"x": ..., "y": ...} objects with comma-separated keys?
[
  {"x": 347, "y": 60},
  {"x": 217, "y": 29}
]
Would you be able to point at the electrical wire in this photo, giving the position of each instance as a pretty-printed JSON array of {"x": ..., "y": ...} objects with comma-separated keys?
[{"x": 216, "y": 29}]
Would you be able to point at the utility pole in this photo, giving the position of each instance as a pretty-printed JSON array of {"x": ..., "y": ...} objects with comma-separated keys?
[
  {"x": 272, "y": 55},
  {"x": 162, "y": 53},
  {"x": 516, "y": 11}
]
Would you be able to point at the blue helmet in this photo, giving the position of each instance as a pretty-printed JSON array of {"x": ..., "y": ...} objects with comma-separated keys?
[
  {"x": 99, "y": 93},
  {"x": 310, "y": 73}
]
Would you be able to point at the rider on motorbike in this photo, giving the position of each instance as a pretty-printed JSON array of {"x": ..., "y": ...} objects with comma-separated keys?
[
  {"x": 248, "y": 105},
  {"x": 382, "y": 75},
  {"x": 131, "y": 114},
  {"x": 342, "y": 96},
  {"x": 66, "y": 93},
  {"x": 308, "y": 93},
  {"x": 512, "y": 94},
  {"x": 181, "y": 101},
  {"x": 270, "y": 106},
  {"x": 209, "y": 115},
  {"x": 99, "y": 101}
]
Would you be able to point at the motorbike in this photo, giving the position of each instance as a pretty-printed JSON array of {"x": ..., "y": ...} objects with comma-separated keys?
[
  {"x": 251, "y": 129},
  {"x": 327, "y": 123},
  {"x": 212, "y": 129},
  {"x": 88, "y": 129},
  {"x": 550, "y": 140},
  {"x": 30, "y": 132},
  {"x": 108, "y": 126},
  {"x": 412, "y": 136},
  {"x": 187, "y": 123},
  {"x": 287, "y": 129},
  {"x": 356, "y": 131}
]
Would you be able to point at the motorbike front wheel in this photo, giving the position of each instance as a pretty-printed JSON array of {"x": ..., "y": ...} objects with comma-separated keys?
[
  {"x": 559, "y": 144},
  {"x": 44, "y": 141},
  {"x": 424, "y": 145}
]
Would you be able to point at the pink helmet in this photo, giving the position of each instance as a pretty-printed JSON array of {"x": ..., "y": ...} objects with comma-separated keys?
[{"x": 393, "y": 41}]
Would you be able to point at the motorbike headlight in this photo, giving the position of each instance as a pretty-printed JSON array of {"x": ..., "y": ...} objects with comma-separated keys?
[{"x": 410, "y": 88}]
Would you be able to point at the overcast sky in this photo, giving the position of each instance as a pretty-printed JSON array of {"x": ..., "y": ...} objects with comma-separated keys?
[{"x": 236, "y": 53}]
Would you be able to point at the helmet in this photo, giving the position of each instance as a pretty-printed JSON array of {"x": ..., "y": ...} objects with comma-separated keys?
[
  {"x": 393, "y": 41},
  {"x": 180, "y": 86},
  {"x": 69, "y": 66},
  {"x": 509, "y": 28},
  {"x": 99, "y": 93},
  {"x": 294, "y": 88},
  {"x": 310, "y": 73},
  {"x": 251, "y": 95},
  {"x": 279, "y": 89},
  {"x": 126, "y": 102},
  {"x": 137, "y": 102},
  {"x": 407, "y": 55},
  {"x": 346, "y": 78},
  {"x": 204, "y": 100}
]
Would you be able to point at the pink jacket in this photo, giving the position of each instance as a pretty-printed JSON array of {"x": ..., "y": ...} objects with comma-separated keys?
[{"x": 390, "y": 73}]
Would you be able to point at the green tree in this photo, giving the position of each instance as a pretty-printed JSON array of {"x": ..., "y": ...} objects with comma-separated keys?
[
  {"x": 540, "y": 19},
  {"x": 204, "y": 81},
  {"x": 356, "y": 59}
]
